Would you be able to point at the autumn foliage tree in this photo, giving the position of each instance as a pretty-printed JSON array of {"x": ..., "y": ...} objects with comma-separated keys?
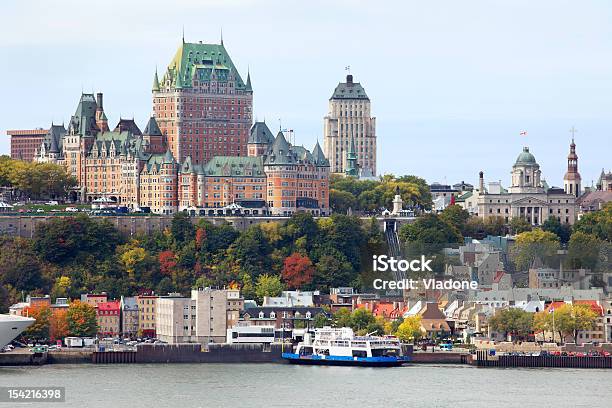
[
  {"x": 298, "y": 270},
  {"x": 81, "y": 318},
  {"x": 40, "y": 328},
  {"x": 58, "y": 324},
  {"x": 167, "y": 262}
]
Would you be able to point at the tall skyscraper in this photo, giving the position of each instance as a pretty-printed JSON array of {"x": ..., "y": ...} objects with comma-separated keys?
[
  {"x": 202, "y": 105},
  {"x": 350, "y": 117}
]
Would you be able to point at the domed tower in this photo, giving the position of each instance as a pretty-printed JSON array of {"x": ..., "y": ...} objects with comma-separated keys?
[
  {"x": 526, "y": 174},
  {"x": 572, "y": 179}
]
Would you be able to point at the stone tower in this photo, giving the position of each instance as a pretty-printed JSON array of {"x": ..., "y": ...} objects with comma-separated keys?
[
  {"x": 350, "y": 117},
  {"x": 572, "y": 179}
]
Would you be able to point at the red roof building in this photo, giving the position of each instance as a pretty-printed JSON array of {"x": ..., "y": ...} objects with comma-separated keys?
[{"x": 108, "y": 314}]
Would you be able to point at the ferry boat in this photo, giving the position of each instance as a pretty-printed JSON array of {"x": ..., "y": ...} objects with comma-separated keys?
[{"x": 339, "y": 346}]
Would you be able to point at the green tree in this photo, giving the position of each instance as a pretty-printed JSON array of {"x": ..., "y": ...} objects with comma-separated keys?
[
  {"x": 341, "y": 201},
  {"x": 342, "y": 318},
  {"x": 456, "y": 216},
  {"x": 535, "y": 244},
  {"x": 430, "y": 230},
  {"x": 361, "y": 319},
  {"x": 81, "y": 319},
  {"x": 583, "y": 251},
  {"x": 513, "y": 321},
  {"x": 519, "y": 225},
  {"x": 268, "y": 285},
  {"x": 321, "y": 320},
  {"x": 252, "y": 252},
  {"x": 182, "y": 228},
  {"x": 563, "y": 231},
  {"x": 598, "y": 223},
  {"x": 409, "y": 329}
]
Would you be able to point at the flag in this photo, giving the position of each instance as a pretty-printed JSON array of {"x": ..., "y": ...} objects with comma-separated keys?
[{"x": 523, "y": 133}]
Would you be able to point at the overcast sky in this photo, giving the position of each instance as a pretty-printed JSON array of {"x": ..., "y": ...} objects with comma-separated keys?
[{"x": 452, "y": 83}]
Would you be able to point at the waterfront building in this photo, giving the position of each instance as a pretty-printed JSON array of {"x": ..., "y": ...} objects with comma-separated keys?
[
  {"x": 129, "y": 316},
  {"x": 202, "y": 104},
  {"x": 595, "y": 335},
  {"x": 146, "y": 314},
  {"x": 607, "y": 309},
  {"x": 281, "y": 317},
  {"x": 433, "y": 321},
  {"x": 529, "y": 197},
  {"x": 503, "y": 298},
  {"x": 108, "y": 317},
  {"x": 349, "y": 118},
  {"x": 26, "y": 142},
  {"x": 93, "y": 299},
  {"x": 175, "y": 318}
]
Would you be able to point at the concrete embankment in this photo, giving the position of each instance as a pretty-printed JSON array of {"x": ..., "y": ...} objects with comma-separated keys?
[
  {"x": 22, "y": 358},
  {"x": 441, "y": 357}
]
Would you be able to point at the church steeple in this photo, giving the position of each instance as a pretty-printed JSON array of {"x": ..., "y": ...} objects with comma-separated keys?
[
  {"x": 572, "y": 179},
  {"x": 352, "y": 168}
]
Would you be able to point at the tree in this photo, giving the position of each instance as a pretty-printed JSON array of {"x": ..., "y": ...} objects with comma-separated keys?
[
  {"x": 297, "y": 271},
  {"x": 64, "y": 240},
  {"x": 361, "y": 319},
  {"x": 598, "y": 223},
  {"x": 409, "y": 329},
  {"x": 456, "y": 216},
  {"x": 341, "y": 201},
  {"x": 332, "y": 270},
  {"x": 58, "y": 324},
  {"x": 39, "y": 330},
  {"x": 321, "y": 320},
  {"x": 81, "y": 319},
  {"x": 182, "y": 228},
  {"x": 167, "y": 262},
  {"x": 519, "y": 225},
  {"x": 133, "y": 258},
  {"x": 252, "y": 252},
  {"x": 583, "y": 251},
  {"x": 563, "y": 231},
  {"x": 61, "y": 287},
  {"x": 535, "y": 244},
  {"x": 268, "y": 285},
  {"x": 19, "y": 265},
  {"x": 342, "y": 318},
  {"x": 431, "y": 231},
  {"x": 542, "y": 322},
  {"x": 513, "y": 321}
]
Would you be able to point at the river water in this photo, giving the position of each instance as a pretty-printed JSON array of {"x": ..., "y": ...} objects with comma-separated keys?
[{"x": 280, "y": 385}]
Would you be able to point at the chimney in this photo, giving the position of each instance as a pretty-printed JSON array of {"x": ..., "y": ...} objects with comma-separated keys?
[
  {"x": 349, "y": 79},
  {"x": 99, "y": 101},
  {"x": 481, "y": 182}
]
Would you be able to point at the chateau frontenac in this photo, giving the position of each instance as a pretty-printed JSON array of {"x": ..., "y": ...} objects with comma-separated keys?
[{"x": 199, "y": 151}]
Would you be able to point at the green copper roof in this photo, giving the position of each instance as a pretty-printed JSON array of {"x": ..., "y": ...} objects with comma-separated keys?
[
  {"x": 349, "y": 90},
  {"x": 202, "y": 61},
  {"x": 83, "y": 122},
  {"x": 525, "y": 157},
  {"x": 155, "y": 82},
  {"x": 318, "y": 156},
  {"x": 234, "y": 166},
  {"x": 352, "y": 169}
]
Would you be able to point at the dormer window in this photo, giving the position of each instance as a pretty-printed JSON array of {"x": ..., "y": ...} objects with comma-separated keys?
[{"x": 261, "y": 315}]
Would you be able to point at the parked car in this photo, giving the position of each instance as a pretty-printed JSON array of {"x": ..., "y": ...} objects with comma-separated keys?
[
  {"x": 40, "y": 210},
  {"x": 71, "y": 209},
  {"x": 51, "y": 203}
]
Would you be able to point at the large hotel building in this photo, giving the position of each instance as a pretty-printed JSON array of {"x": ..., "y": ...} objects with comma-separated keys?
[
  {"x": 349, "y": 124},
  {"x": 200, "y": 151}
]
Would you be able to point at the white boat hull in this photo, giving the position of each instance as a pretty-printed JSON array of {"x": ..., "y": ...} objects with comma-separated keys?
[{"x": 12, "y": 326}]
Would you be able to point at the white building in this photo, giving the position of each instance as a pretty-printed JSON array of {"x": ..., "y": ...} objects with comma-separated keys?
[{"x": 528, "y": 197}]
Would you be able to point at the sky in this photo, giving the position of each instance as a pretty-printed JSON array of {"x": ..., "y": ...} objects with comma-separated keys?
[{"x": 452, "y": 83}]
